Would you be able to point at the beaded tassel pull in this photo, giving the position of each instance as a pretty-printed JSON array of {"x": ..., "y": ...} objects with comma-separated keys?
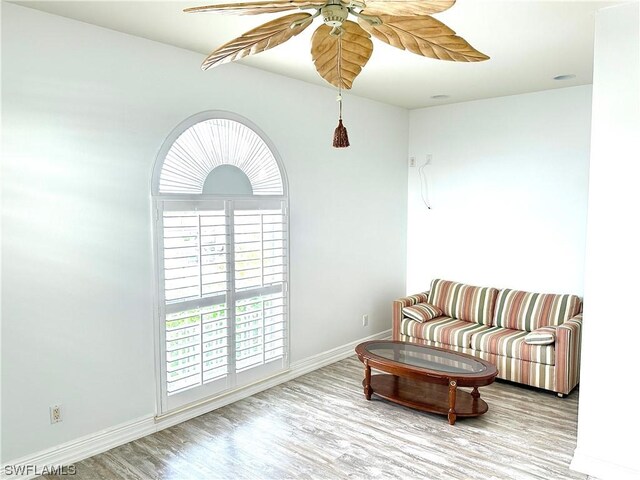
[{"x": 340, "y": 137}]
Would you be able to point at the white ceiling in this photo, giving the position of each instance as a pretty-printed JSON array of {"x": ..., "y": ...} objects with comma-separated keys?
[{"x": 529, "y": 42}]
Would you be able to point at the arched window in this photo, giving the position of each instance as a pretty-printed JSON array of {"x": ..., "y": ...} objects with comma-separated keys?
[{"x": 220, "y": 198}]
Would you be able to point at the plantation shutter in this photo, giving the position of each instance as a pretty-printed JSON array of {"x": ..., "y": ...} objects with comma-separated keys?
[
  {"x": 225, "y": 293},
  {"x": 260, "y": 257}
]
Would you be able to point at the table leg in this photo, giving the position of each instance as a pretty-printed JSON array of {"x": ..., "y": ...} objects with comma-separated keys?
[
  {"x": 475, "y": 393},
  {"x": 367, "y": 381},
  {"x": 452, "y": 402}
]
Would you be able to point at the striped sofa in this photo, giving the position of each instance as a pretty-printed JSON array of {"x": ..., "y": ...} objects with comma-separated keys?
[{"x": 492, "y": 324}]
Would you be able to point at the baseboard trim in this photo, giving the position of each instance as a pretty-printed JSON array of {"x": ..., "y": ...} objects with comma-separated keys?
[
  {"x": 87, "y": 446},
  {"x": 99, "y": 442},
  {"x": 601, "y": 469}
]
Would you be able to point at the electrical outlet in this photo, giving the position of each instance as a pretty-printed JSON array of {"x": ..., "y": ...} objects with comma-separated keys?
[
  {"x": 412, "y": 161},
  {"x": 55, "y": 412},
  {"x": 365, "y": 320}
]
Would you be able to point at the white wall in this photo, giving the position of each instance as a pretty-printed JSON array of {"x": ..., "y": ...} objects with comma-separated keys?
[
  {"x": 85, "y": 111},
  {"x": 508, "y": 190},
  {"x": 608, "y": 423}
]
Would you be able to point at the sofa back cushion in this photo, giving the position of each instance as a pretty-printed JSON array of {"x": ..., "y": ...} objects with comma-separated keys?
[
  {"x": 529, "y": 311},
  {"x": 464, "y": 302}
]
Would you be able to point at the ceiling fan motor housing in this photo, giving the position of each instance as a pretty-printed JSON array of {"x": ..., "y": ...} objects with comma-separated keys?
[{"x": 334, "y": 15}]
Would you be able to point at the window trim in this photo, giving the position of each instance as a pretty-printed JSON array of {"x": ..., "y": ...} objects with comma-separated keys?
[{"x": 157, "y": 255}]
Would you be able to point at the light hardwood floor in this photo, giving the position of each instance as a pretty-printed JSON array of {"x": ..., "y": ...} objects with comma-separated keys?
[{"x": 320, "y": 426}]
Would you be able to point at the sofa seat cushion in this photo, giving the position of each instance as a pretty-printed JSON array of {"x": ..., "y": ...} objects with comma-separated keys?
[
  {"x": 511, "y": 343},
  {"x": 464, "y": 302},
  {"x": 446, "y": 330},
  {"x": 529, "y": 311}
]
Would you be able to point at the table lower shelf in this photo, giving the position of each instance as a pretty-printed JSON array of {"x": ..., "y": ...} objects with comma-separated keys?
[{"x": 428, "y": 397}]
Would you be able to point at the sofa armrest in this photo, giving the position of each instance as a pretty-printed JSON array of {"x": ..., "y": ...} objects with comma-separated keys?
[
  {"x": 568, "y": 343},
  {"x": 398, "y": 305}
]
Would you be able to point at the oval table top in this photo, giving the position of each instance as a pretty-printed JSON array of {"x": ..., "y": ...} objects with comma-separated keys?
[{"x": 434, "y": 362}]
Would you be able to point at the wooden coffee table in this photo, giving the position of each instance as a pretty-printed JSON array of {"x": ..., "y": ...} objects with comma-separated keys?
[{"x": 426, "y": 378}]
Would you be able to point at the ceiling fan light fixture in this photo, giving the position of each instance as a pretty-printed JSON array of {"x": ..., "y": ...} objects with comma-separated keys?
[{"x": 334, "y": 15}]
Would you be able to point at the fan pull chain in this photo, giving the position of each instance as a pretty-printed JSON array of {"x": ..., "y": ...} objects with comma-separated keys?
[{"x": 340, "y": 137}]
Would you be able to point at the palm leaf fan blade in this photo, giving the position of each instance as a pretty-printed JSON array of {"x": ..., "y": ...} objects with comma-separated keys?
[
  {"x": 424, "y": 35},
  {"x": 406, "y": 7},
  {"x": 356, "y": 50},
  {"x": 254, "y": 8},
  {"x": 260, "y": 39}
]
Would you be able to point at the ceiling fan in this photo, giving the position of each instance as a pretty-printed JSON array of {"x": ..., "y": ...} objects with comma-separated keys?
[{"x": 341, "y": 48}]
